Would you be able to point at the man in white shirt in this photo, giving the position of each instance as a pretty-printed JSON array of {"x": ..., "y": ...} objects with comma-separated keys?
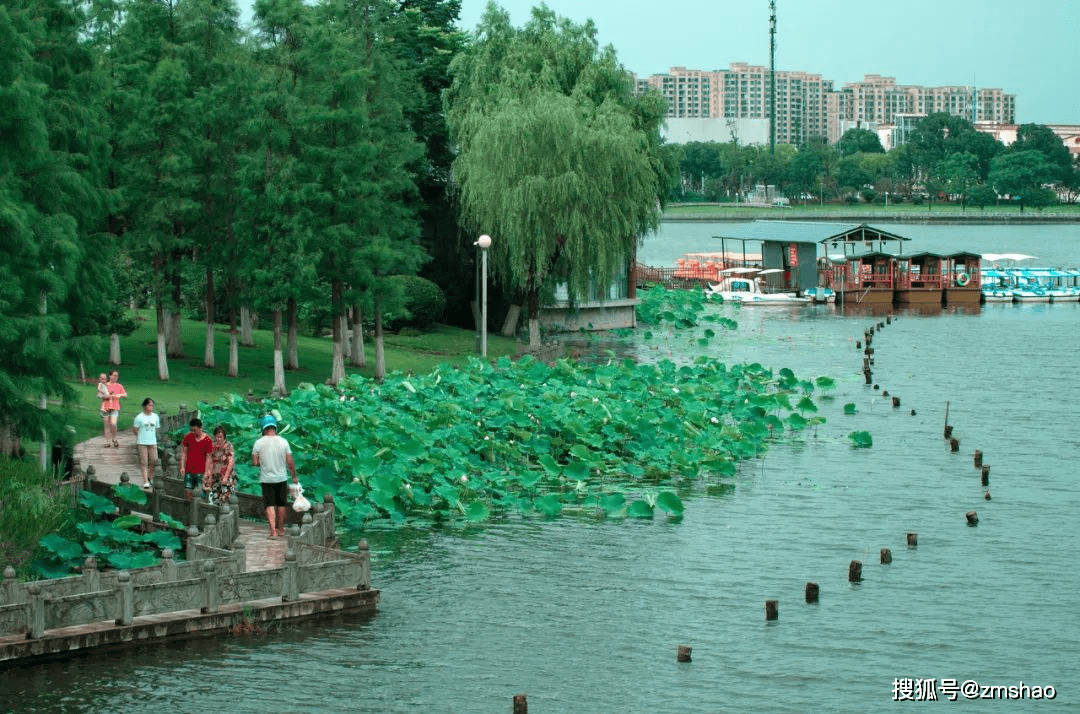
[{"x": 273, "y": 456}]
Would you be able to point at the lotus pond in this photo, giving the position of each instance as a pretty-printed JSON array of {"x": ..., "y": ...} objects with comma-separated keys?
[{"x": 597, "y": 438}]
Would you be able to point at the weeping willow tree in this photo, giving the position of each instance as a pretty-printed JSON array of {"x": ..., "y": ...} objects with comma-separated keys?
[{"x": 557, "y": 159}]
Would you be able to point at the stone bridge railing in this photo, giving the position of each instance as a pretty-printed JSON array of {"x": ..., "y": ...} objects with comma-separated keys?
[
  {"x": 214, "y": 577},
  {"x": 213, "y": 573}
]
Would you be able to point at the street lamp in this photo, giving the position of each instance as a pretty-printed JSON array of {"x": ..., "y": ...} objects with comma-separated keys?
[
  {"x": 484, "y": 242},
  {"x": 886, "y": 201}
]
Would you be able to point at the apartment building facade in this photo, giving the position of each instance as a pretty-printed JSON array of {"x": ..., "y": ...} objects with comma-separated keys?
[{"x": 807, "y": 105}]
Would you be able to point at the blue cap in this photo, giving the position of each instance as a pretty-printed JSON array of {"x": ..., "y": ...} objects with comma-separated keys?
[{"x": 266, "y": 422}]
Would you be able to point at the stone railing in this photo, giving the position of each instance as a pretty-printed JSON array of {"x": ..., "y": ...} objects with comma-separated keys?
[
  {"x": 202, "y": 585},
  {"x": 213, "y": 573}
]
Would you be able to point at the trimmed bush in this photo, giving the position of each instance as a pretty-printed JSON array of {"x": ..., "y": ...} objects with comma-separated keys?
[{"x": 425, "y": 304}]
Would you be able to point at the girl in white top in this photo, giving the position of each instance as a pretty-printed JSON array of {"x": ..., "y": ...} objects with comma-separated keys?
[{"x": 145, "y": 426}]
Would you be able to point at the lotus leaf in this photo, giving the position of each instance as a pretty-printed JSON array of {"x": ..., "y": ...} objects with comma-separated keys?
[
  {"x": 132, "y": 560},
  {"x": 97, "y": 505},
  {"x": 61, "y": 547},
  {"x": 669, "y": 502},
  {"x": 861, "y": 439}
]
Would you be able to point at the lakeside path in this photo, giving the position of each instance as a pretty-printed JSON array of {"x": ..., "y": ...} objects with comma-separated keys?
[{"x": 110, "y": 463}]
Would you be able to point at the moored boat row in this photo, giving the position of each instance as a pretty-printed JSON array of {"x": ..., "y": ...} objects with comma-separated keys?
[{"x": 1013, "y": 283}]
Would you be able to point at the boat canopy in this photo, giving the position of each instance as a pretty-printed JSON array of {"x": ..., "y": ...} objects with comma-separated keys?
[{"x": 993, "y": 257}]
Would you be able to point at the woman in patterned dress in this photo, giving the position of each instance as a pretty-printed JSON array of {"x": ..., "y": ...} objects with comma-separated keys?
[{"x": 220, "y": 479}]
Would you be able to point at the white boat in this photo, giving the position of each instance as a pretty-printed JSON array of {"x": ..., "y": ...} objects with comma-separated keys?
[
  {"x": 821, "y": 294},
  {"x": 996, "y": 285},
  {"x": 1029, "y": 290},
  {"x": 740, "y": 285}
]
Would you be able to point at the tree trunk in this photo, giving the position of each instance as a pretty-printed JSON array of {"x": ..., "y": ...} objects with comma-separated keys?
[
  {"x": 534, "y": 319},
  {"x": 345, "y": 335},
  {"x": 337, "y": 359},
  {"x": 114, "y": 349},
  {"x": 358, "y": 356},
  {"x": 245, "y": 327},
  {"x": 293, "y": 361},
  {"x": 380, "y": 357},
  {"x": 234, "y": 352},
  {"x": 208, "y": 353},
  {"x": 10, "y": 442},
  {"x": 43, "y": 453},
  {"x": 175, "y": 340},
  {"x": 162, "y": 353},
  {"x": 279, "y": 361}
]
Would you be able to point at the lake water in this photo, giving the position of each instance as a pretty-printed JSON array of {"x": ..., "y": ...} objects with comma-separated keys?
[{"x": 587, "y": 616}]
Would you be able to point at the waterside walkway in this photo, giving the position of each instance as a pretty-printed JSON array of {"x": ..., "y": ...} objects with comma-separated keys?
[{"x": 234, "y": 579}]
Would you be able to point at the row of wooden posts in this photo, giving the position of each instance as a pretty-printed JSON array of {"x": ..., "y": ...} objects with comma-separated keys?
[{"x": 772, "y": 607}]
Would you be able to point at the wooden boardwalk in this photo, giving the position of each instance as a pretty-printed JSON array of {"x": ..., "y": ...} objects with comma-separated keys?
[{"x": 110, "y": 463}]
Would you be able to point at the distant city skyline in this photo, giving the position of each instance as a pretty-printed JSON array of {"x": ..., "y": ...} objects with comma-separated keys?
[{"x": 1029, "y": 49}]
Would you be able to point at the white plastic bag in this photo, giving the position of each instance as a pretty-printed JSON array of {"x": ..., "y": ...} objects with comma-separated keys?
[{"x": 299, "y": 504}]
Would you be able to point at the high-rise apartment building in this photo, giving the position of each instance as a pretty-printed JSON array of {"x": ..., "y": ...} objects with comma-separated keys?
[
  {"x": 742, "y": 92},
  {"x": 808, "y": 106}
]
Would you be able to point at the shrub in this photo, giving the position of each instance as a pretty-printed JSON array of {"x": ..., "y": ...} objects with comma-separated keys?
[
  {"x": 31, "y": 506},
  {"x": 425, "y": 303}
]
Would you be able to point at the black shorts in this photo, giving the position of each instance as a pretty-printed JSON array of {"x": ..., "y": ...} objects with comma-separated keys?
[{"x": 275, "y": 494}]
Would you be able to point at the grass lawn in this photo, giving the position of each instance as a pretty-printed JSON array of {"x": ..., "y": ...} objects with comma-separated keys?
[{"x": 189, "y": 382}]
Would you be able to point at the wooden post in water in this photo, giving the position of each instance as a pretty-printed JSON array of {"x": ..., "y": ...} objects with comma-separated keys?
[
  {"x": 986, "y": 474},
  {"x": 978, "y": 458},
  {"x": 521, "y": 704},
  {"x": 772, "y": 610},
  {"x": 896, "y": 402},
  {"x": 972, "y": 518},
  {"x": 912, "y": 540},
  {"x": 886, "y": 556},
  {"x": 854, "y": 571},
  {"x": 812, "y": 591},
  {"x": 948, "y": 429},
  {"x": 682, "y": 654},
  {"x": 954, "y": 444}
]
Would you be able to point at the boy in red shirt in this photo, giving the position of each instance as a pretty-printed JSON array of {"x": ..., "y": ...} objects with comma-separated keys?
[{"x": 194, "y": 452}]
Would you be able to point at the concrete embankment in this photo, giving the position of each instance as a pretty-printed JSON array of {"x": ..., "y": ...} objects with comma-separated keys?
[{"x": 972, "y": 217}]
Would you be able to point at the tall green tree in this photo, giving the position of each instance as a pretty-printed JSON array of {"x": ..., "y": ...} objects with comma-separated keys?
[
  {"x": 219, "y": 72},
  {"x": 50, "y": 202},
  {"x": 857, "y": 140},
  {"x": 558, "y": 160},
  {"x": 1036, "y": 137},
  {"x": 273, "y": 227},
  {"x": 156, "y": 153},
  {"x": 1022, "y": 174}
]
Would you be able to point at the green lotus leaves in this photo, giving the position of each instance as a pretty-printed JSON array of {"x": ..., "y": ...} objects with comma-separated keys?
[
  {"x": 669, "y": 503},
  {"x": 97, "y": 505},
  {"x": 825, "y": 383},
  {"x": 476, "y": 442},
  {"x": 61, "y": 547},
  {"x": 477, "y": 512},
  {"x": 861, "y": 439},
  {"x": 850, "y": 408},
  {"x": 612, "y": 502},
  {"x": 549, "y": 505},
  {"x": 142, "y": 559}
]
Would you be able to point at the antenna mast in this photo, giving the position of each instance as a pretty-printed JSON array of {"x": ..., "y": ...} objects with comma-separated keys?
[{"x": 772, "y": 77}]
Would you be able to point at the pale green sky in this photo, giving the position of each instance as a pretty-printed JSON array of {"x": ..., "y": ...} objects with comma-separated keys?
[{"x": 1030, "y": 48}]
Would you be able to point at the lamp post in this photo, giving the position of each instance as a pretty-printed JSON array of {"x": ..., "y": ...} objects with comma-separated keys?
[
  {"x": 484, "y": 242},
  {"x": 886, "y": 201}
]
